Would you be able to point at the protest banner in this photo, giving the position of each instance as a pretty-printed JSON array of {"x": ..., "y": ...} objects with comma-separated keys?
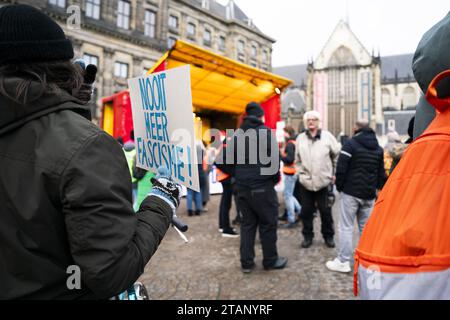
[{"x": 164, "y": 124}]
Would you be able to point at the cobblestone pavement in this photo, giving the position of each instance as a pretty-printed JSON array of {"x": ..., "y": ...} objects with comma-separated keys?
[{"x": 208, "y": 266}]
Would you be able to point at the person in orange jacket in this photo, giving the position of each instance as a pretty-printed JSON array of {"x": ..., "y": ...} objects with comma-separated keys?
[
  {"x": 224, "y": 174},
  {"x": 404, "y": 251},
  {"x": 293, "y": 207}
]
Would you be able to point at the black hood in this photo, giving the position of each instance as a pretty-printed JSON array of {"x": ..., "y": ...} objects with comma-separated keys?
[
  {"x": 366, "y": 137},
  {"x": 14, "y": 115},
  {"x": 251, "y": 122},
  {"x": 433, "y": 57}
]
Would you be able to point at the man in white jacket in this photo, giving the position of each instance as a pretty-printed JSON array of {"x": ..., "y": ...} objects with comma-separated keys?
[{"x": 317, "y": 152}]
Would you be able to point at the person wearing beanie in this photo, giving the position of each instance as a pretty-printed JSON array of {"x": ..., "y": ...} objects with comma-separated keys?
[
  {"x": 67, "y": 226},
  {"x": 255, "y": 110},
  {"x": 28, "y": 35},
  {"x": 255, "y": 182}
]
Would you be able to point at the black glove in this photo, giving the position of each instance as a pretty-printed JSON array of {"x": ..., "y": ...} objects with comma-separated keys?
[
  {"x": 165, "y": 188},
  {"x": 87, "y": 88}
]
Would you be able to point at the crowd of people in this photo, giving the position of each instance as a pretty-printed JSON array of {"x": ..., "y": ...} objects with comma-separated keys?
[{"x": 314, "y": 165}]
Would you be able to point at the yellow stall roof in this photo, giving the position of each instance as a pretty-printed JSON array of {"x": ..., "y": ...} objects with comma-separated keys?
[{"x": 219, "y": 83}]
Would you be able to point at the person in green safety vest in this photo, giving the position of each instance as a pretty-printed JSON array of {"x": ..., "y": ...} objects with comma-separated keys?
[
  {"x": 144, "y": 184},
  {"x": 130, "y": 153}
]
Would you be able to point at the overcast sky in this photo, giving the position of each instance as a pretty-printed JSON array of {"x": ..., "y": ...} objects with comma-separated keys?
[{"x": 302, "y": 27}]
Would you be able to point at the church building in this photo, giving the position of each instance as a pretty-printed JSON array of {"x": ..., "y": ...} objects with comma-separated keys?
[{"x": 346, "y": 82}]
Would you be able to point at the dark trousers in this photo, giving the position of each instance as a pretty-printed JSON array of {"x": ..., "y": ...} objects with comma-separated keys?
[
  {"x": 259, "y": 208},
  {"x": 225, "y": 206},
  {"x": 309, "y": 201},
  {"x": 236, "y": 203}
]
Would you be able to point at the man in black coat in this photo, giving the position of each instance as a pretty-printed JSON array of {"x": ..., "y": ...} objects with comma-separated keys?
[
  {"x": 67, "y": 225},
  {"x": 359, "y": 174},
  {"x": 256, "y": 155}
]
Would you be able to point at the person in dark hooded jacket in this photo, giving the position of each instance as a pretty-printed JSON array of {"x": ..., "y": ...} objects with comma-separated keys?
[
  {"x": 67, "y": 226},
  {"x": 257, "y": 171},
  {"x": 430, "y": 59},
  {"x": 359, "y": 174}
]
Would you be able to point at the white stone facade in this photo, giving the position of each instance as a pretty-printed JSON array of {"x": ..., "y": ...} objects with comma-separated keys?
[
  {"x": 346, "y": 82},
  {"x": 132, "y": 51}
]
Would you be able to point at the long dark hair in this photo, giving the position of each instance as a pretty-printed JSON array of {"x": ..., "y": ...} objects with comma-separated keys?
[{"x": 52, "y": 77}]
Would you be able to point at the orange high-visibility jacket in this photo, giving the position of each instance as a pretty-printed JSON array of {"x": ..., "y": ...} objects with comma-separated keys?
[
  {"x": 289, "y": 168},
  {"x": 404, "y": 251},
  {"x": 221, "y": 176}
]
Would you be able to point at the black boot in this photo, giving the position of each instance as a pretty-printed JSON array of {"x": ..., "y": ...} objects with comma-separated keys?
[
  {"x": 197, "y": 212},
  {"x": 280, "y": 263},
  {"x": 307, "y": 243},
  {"x": 284, "y": 216},
  {"x": 190, "y": 213},
  {"x": 330, "y": 242}
]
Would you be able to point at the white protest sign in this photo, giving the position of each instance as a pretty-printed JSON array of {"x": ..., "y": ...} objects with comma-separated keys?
[{"x": 164, "y": 124}]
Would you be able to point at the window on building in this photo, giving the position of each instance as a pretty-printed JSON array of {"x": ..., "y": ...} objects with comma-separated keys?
[
  {"x": 342, "y": 56},
  {"x": 241, "y": 50},
  {"x": 121, "y": 70},
  {"x": 409, "y": 97},
  {"x": 171, "y": 41},
  {"x": 334, "y": 86},
  {"x": 241, "y": 47},
  {"x": 254, "y": 52},
  {"x": 150, "y": 23},
  {"x": 386, "y": 98},
  {"x": 391, "y": 125},
  {"x": 58, "y": 3},
  {"x": 342, "y": 86},
  {"x": 207, "y": 37},
  {"x": 173, "y": 22},
  {"x": 93, "y": 9},
  {"x": 90, "y": 59},
  {"x": 191, "y": 29},
  {"x": 222, "y": 41},
  {"x": 123, "y": 14},
  {"x": 205, "y": 4},
  {"x": 350, "y": 85},
  {"x": 265, "y": 57}
]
